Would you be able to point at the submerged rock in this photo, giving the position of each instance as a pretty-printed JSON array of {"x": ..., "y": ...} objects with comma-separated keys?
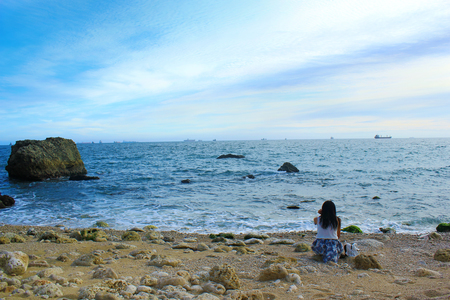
[
  {"x": 230, "y": 156},
  {"x": 83, "y": 177},
  {"x": 38, "y": 160}
]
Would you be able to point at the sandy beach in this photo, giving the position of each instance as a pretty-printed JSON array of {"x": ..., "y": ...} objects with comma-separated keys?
[{"x": 174, "y": 265}]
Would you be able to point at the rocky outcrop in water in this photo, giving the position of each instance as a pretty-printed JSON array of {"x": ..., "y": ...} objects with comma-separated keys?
[
  {"x": 288, "y": 168},
  {"x": 6, "y": 201},
  {"x": 38, "y": 160}
]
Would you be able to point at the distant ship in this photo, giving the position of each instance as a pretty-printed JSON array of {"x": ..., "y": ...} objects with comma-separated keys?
[
  {"x": 382, "y": 137},
  {"x": 188, "y": 140}
]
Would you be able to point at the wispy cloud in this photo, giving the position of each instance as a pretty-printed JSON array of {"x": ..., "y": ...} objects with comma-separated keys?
[{"x": 231, "y": 67}]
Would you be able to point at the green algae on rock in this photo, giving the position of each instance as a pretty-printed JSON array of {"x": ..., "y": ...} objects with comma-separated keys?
[
  {"x": 352, "y": 229},
  {"x": 443, "y": 227},
  {"x": 55, "y": 238},
  {"x": 101, "y": 224},
  {"x": 90, "y": 234},
  {"x": 38, "y": 160},
  {"x": 131, "y": 236}
]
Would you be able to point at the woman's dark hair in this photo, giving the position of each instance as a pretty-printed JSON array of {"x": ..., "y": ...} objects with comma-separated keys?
[{"x": 328, "y": 216}]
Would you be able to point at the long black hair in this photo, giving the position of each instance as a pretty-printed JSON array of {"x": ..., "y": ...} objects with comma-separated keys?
[{"x": 328, "y": 216}]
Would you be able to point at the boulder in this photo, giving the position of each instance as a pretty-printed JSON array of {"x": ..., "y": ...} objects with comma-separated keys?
[
  {"x": 50, "y": 290},
  {"x": 422, "y": 272},
  {"x": 442, "y": 255},
  {"x": 163, "y": 260},
  {"x": 55, "y": 238},
  {"x": 261, "y": 236},
  {"x": 366, "y": 262},
  {"x": 90, "y": 234},
  {"x": 38, "y": 160},
  {"x": 443, "y": 227},
  {"x": 225, "y": 275},
  {"x": 352, "y": 229},
  {"x": 230, "y": 156},
  {"x": 131, "y": 236},
  {"x": 302, "y": 247},
  {"x": 288, "y": 168},
  {"x": 103, "y": 273},
  {"x": 273, "y": 272},
  {"x": 14, "y": 263},
  {"x": 88, "y": 260},
  {"x": 6, "y": 201}
]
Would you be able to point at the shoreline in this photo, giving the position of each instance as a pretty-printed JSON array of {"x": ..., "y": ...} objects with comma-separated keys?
[{"x": 401, "y": 257}]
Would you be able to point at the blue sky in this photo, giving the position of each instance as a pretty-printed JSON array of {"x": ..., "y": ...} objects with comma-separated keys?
[{"x": 231, "y": 70}]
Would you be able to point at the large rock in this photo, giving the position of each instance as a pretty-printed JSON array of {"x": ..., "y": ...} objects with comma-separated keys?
[
  {"x": 288, "y": 168},
  {"x": 6, "y": 201},
  {"x": 273, "y": 272},
  {"x": 442, "y": 255},
  {"x": 225, "y": 275},
  {"x": 14, "y": 263},
  {"x": 443, "y": 227},
  {"x": 38, "y": 160},
  {"x": 365, "y": 262}
]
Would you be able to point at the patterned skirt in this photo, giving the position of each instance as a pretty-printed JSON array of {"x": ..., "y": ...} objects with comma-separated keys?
[{"x": 329, "y": 249}]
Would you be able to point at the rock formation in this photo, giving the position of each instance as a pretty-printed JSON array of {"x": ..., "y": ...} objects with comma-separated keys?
[
  {"x": 288, "y": 168},
  {"x": 6, "y": 201},
  {"x": 38, "y": 160}
]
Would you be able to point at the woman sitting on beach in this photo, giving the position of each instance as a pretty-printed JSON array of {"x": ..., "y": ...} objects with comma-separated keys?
[{"x": 327, "y": 241}]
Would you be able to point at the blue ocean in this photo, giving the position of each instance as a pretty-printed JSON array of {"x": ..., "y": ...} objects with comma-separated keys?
[{"x": 399, "y": 183}]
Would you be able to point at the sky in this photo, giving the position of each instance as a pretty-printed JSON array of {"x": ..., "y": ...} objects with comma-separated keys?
[{"x": 141, "y": 70}]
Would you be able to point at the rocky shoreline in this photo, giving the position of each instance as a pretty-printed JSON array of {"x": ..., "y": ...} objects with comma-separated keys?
[{"x": 149, "y": 264}]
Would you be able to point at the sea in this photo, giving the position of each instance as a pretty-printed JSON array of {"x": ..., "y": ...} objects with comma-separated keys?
[{"x": 397, "y": 183}]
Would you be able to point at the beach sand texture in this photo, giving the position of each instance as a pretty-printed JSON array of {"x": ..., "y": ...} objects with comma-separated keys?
[{"x": 192, "y": 266}]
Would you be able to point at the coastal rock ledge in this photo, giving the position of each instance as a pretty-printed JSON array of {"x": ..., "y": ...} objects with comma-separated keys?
[{"x": 35, "y": 160}]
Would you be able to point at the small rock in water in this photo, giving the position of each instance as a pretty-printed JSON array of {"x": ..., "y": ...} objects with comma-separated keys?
[{"x": 288, "y": 168}]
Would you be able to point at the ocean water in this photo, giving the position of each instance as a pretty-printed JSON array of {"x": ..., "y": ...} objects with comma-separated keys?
[{"x": 140, "y": 184}]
